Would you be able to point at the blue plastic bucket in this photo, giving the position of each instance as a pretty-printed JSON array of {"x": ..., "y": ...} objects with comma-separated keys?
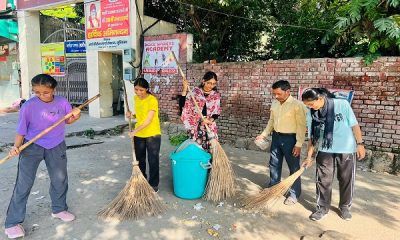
[{"x": 190, "y": 166}]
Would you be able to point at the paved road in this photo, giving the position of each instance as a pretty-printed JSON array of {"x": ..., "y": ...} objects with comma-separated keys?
[{"x": 98, "y": 172}]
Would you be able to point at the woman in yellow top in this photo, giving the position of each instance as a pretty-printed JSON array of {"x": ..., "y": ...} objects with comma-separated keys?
[{"x": 147, "y": 132}]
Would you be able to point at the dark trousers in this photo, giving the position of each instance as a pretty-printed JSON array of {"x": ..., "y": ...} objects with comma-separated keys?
[
  {"x": 282, "y": 146},
  {"x": 326, "y": 165},
  {"x": 29, "y": 160},
  {"x": 151, "y": 146}
]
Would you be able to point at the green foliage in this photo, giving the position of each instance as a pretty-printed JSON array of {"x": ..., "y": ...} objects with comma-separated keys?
[
  {"x": 383, "y": 24},
  {"x": 61, "y": 12},
  {"x": 355, "y": 11},
  {"x": 74, "y": 13},
  {"x": 217, "y": 35},
  {"x": 373, "y": 27},
  {"x": 243, "y": 30},
  {"x": 177, "y": 139},
  {"x": 343, "y": 22},
  {"x": 374, "y": 46},
  {"x": 370, "y": 58},
  {"x": 389, "y": 26},
  {"x": 89, "y": 133},
  {"x": 313, "y": 39},
  {"x": 394, "y": 3}
]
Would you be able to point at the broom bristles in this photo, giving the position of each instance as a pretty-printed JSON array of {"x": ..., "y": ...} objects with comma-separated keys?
[
  {"x": 137, "y": 199},
  {"x": 261, "y": 199},
  {"x": 221, "y": 182}
]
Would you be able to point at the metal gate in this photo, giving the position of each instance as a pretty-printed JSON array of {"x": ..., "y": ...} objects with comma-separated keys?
[{"x": 73, "y": 85}]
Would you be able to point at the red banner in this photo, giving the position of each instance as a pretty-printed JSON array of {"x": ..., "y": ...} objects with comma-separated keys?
[
  {"x": 4, "y": 50},
  {"x": 26, "y": 4},
  {"x": 3, "y": 5},
  {"x": 107, "y": 19}
]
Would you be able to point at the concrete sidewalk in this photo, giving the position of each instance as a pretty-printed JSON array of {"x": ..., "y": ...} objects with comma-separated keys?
[
  {"x": 9, "y": 121},
  {"x": 97, "y": 173}
]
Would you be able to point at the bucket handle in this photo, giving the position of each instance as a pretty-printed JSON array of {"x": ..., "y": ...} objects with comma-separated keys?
[{"x": 205, "y": 166}]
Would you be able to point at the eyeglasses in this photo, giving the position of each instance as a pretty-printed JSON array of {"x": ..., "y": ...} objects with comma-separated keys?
[
  {"x": 211, "y": 83},
  {"x": 45, "y": 94}
]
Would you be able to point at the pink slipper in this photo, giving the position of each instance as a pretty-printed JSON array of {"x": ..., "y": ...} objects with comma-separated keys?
[
  {"x": 64, "y": 216},
  {"x": 15, "y": 232}
]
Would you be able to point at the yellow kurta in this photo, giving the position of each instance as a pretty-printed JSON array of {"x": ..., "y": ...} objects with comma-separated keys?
[
  {"x": 142, "y": 109},
  {"x": 289, "y": 117}
]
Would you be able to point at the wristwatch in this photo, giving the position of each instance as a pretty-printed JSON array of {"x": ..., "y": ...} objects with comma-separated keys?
[{"x": 360, "y": 143}]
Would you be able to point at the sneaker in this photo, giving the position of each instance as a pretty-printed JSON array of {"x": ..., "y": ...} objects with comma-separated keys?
[
  {"x": 290, "y": 201},
  {"x": 65, "y": 216},
  {"x": 319, "y": 214},
  {"x": 345, "y": 214},
  {"x": 15, "y": 232},
  {"x": 155, "y": 189}
]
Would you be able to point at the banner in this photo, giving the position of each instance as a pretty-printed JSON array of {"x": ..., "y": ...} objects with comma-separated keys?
[
  {"x": 53, "y": 59},
  {"x": 3, "y": 5},
  {"x": 75, "y": 48},
  {"x": 339, "y": 93},
  {"x": 26, "y": 4},
  {"x": 12, "y": 48},
  {"x": 158, "y": 58},
  {"x": 4, "y": 50},
  {"x": 107, "y": 24}
]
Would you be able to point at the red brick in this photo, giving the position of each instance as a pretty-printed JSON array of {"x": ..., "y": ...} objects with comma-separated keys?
[{"x": 376, "y": 100}]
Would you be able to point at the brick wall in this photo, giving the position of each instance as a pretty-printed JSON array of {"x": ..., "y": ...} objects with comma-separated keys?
[{"x": 246, "y": 97}]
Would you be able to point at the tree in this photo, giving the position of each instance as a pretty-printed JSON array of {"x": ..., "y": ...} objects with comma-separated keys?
[
  {"x": 301, "y": 27},
  {"x": 226, "y": 30},
  {"x": 74, "y": 14},
  {"x": 372, "y": 25},
  {"x": 231, "y": 30}
]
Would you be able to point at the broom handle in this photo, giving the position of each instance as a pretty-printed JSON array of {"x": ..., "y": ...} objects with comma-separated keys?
[
  {"x": 191, "y": 95},
  {"x": 134, "y": 160},
  {"x": 47, "y": 130}
]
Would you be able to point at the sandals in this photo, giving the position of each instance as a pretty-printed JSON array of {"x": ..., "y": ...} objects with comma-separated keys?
[{"x": 16, "y": 231}]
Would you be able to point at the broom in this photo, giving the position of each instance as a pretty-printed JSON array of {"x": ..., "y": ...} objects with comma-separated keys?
[
  {"x": 138, "y": 198},
  {"x": 273, "y": 193},
  {"x": 221, "y": 181},
  {"x": 47, "y": 130}
]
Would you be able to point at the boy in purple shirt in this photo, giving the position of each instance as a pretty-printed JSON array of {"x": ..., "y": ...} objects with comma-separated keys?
[{"x": 37, "y": 114}]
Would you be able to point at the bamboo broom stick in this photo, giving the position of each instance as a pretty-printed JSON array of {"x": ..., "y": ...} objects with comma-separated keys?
[
  {"x": 138, "y": 198},
  {"x": 47, "y": 130},
  {"x": 221, "y": 182},
  {"x": 267, "y": 195}
]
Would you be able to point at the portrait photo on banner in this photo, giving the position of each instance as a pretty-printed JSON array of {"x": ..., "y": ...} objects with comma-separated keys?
[{"x": 93, "y": 13}]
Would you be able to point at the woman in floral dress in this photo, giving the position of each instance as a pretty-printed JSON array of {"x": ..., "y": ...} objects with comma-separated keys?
[{"x": 209, "y": 101}]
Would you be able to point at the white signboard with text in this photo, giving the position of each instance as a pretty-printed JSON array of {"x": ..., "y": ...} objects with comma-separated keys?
[{"x": 158, "y": 58}]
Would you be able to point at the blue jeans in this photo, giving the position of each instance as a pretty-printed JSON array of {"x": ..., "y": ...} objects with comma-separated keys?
[
  {"x": 282, "y": 146},
  {"x": 29, "y": 160}
]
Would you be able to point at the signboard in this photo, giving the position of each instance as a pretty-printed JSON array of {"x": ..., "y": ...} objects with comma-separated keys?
[
  {"x": 4, "y": 50},
  {"x": 76, "y": 48},
  {"x": 3, "y": 5},
  {"x": 107, "y": 24},
  {"x": 339, "y": 93},
  {"x": 53, "y": 59},
  {"x": 12, "y": 48},
  {"x": 26, "y": 4},
  {"x": 158, "y": 58}
]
